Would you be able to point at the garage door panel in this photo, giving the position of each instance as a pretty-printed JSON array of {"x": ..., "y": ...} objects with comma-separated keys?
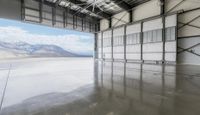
[
  {"x": 133, "y": 52},
  {"x": 136, "y": 28},
  {"x": 170, "y": 57},
  {"x": 171, "y": 21},
  {"x": 133, "y": 48},
  {"x": 107, "y": 45},
  {"x": 118, "y": 49},
  {"x": 133, "y": 56},
  {"x": 99, "y": 45},
  {"x": 170, "y": 38},
  {"x": 170, "y": 46},
  {"x": 152, "y": 25},
  {"x": 153, "y": 47},
  {"x": 118, "y": 43},
  {"x": 133, "y": 42},
  {"x": 152, "y": 56},
  {"x": 107, "y": 52},
  {"x": 170, "y": 51},
  {"x": 118, "y": 56}
]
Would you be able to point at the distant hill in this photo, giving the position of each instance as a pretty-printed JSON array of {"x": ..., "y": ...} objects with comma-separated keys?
[{"x": 23, "y": 49}]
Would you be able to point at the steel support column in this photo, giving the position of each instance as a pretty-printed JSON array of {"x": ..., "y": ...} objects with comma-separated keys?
[
  {"x": 64, "y": 19},
  {"x": 163, "y": 39},
  {"x": 82, "y": 23},
  {"x": 112, "y": 45},
  {"x": 131, "y": 16},
  {"x": 125, "y": 43},
  {"x": 95, "y": 45},
  {"x": 124, "y": 80},
  {"x": 40, "y": 10},
  {"x": 101, "y": 45},
  {"x": 176, "y": 35},
  {"x": 141, "y": 42},
  {"x": 110, "y": 22},
  {"x": 162, "y": 13},
  {"x": 22, "y": 10},
  {"x": 53, "y": 16},
  {"x": 73, "y": 22},
  {"x": 162, "y": 7},
  {"x": 141, "y": 83},
  {"x": 90, "y": 27}
]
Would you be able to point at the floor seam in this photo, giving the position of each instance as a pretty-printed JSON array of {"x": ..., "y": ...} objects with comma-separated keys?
[{"x": 5, "y": 87}]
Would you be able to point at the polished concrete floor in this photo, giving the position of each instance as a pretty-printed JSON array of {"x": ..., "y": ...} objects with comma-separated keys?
[{"x": 67, "y": 86}]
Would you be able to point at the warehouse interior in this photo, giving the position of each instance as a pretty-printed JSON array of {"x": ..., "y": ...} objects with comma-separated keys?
[{"x": 146, "y": 55}]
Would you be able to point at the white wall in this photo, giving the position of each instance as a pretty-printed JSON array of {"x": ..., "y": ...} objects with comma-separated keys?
[
  {"x": 187, "y": 31},
  {"x": 104, "y": 24},
  {"x": 124, "y": 16},
  {"x": 187, "y": 57},
  {"x": 146, "y": 10},
  {"x": 185, "y": 5},
  {"x": 117, "y": 20}
]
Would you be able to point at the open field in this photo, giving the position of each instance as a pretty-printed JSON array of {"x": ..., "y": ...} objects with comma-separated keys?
[{"x": 32, "y": 77}]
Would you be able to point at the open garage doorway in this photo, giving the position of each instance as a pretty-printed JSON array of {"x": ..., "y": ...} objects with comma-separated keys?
[{"x": 42, "y": 62}]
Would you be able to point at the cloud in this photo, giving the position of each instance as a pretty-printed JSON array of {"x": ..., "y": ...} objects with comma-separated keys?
[{"x": 71, "y": 42}]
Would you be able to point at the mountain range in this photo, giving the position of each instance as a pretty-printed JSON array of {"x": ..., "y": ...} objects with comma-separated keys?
[{"x": 39, "y": 50}]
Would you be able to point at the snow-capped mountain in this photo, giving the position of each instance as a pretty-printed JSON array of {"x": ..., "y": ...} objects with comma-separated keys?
[{"x": 25, "y": 49}]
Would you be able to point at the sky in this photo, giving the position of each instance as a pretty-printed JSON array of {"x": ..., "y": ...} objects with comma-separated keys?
[{"x": 70, "y": 40}]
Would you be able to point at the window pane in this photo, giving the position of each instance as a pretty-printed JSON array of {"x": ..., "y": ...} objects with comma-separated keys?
[
  {"x": 159, "y": 35},
  {"x": 173, "y": 33},
  {"x": 154, "y": 36}
]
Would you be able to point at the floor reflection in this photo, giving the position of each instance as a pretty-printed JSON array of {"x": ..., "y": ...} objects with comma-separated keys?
[
  {"x": 150, "y": 89},
  {"x": 123, "y": 89}
]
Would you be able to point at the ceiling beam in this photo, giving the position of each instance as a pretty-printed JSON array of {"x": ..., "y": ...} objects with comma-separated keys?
[
  {"x": 58, "y": 2},
  {"x": 70, "y": 11},
  {"x": 60, "y": 7},
  {"x": 140, "y": 2},
  {"x": 90, "y": 8},
  {"x": 122, "y": 4}
]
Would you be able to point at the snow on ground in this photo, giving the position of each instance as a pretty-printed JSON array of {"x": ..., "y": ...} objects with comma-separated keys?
[{"x": 31, "y": 77}]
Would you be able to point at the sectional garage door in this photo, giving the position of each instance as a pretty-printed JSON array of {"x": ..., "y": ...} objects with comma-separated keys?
[
  {"x": 107, "y": 44},
  {"x": 152, "y": 40},
  {"x": 171, "y": 38},
  {"x": 118, "y": 43},
  {"x": 99, "y": 45},
  {"x": 143, "y": 41},
  {"x": 133, "y": 42}
]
